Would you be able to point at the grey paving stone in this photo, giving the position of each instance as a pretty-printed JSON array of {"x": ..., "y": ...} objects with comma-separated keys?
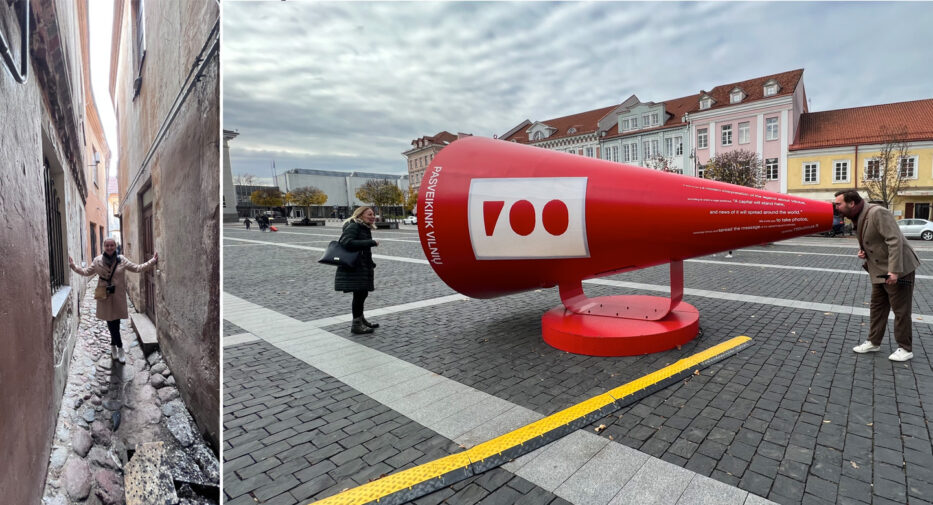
[
  {"x": 703, "y": 491},
  {"x": 656, "y": 482}
]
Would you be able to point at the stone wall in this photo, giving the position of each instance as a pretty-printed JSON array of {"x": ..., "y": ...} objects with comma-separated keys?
[
  {"x": 175, "y": 151},
  {"x": 41, "y": 118}
]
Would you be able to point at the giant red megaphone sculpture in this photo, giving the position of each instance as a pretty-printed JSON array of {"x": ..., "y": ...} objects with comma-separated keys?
[{"x": 497, "y": 217}]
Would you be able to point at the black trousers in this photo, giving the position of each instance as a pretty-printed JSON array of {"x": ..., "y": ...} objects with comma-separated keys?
[
  {"x": 114, "y": 327},
  {"x": 358, "y": 298}
]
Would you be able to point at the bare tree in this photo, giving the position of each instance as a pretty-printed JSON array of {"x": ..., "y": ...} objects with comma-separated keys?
[
  {"x": 740, "y": 167},
  {"x": 244, "y": 179},
  {"x": 662, "y": 163},
  {"x": 891, "y": 170}
]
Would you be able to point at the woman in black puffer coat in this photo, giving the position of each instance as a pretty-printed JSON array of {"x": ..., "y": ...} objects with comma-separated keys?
[{"x": 359, "y": 280}]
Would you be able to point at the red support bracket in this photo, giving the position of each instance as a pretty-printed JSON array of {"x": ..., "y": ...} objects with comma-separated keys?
[{"x": 642, "y": 308}]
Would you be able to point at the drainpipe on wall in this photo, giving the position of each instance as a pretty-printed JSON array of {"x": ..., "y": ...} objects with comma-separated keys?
[{"x": 855, "y": 167}]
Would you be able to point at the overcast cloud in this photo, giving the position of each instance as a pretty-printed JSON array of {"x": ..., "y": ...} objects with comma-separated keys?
[{"x": 348, "y": 85}]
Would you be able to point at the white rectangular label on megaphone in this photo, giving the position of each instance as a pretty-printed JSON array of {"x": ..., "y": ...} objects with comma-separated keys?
[{"x": 528, "y": 217}]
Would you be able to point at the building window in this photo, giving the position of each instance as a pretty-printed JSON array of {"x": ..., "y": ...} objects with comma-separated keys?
[
  {"x": 53, "y": 217},
  {"x": 646, "y": 120},
  {"x": 634, "y": 151},
  {"x": 625, "y": 153},
  {"x": 139, "y": 43},
  {"x": 646, "y": 148},
  {"x": 735, "y": 97},
  {"x": 624, "y": 124},
  {"x": 678, "y": 146},
  {"x": 771, "y": 89},
  {"x": 744, "y": 133},
  {"x": 655, "y": 147},
  {"x": 771, "y": 128},
  {"x": 702, "y": 138},
  {"x": 615, "y": 153},
  {"x": 589, "y": 152},
  {"x": 668, "y": 147},
  {"x": 634, "y": 123},
  {"x": 537, "y": 136},
  {"x": 908, "y": 167},
  {"x": 701, "y": 171},
  {"x": 571, "y": 131},
  {"x": 727, "y": 134},
  {"x": 840, "y": 171},
  {"x": 654, "y": 119},
  {"x": 811, "y": 173},
  {"x": 872, "y": 170},
  {"x": 705, "y": 103},
  {"x": 771, "y": 169}
]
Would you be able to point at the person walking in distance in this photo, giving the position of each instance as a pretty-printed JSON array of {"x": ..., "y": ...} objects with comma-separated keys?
[
  {"x": 891, "y": 264},
  {"x": 360, "y": 279},
  {"x": 111, "y": 289}
]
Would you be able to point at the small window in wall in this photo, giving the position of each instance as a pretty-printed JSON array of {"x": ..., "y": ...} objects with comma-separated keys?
[
  {"x": 771, "y": 169},
  {"x": 872, "y": 170},
  {"x": 908, "y": 167},
  {"x": 705, "y": 103},
  {"x": 538, "y": 136},
  {"x": 811, "y": 173},
  {"x": 771, "y": 127},
  {"x": 589, "y": 152},
  {"x": 701, "y": 171},
  {"x": 654, "y": 119},
  {"x": 678, "y": 146},
  {"x": 139, "y": 43},
  {"x": 634, "y": 123},
  {"x": 744, "y": 136},
  {"x": 668, "y": 146},
  {"x": 735, "y": 97},
  {"x": 841, "y": 171},
  {"x": 727, "y": 134},
  {"x": 702, "y": 138},
  {"x": 53, "y": 217},
  {"x": 624, "y": 124},
  {"x": 771, "y": 89}
]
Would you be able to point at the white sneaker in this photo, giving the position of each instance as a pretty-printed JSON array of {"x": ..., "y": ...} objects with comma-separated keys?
[
  {"x": 867, "y": 346},
  {"x": 113, "y": 353},
  {"x": 901, "y": 355},
  {"x": 122, "y": 356},
  {"x": 729, "y": 255}
]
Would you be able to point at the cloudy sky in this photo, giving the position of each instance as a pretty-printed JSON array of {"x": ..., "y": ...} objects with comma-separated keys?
[{"x": 348, "y": 85}]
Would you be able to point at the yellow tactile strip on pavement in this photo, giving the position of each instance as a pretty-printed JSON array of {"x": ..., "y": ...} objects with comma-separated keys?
[{"x": 422, "y": 479}]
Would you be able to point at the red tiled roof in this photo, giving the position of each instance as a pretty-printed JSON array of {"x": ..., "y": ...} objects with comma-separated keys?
[
  {"x": 864, "y": 125},
  {"x": 753, "y": 88},
  {"x": 675, "y": 109},
  {"x": 584, "y": 122}
]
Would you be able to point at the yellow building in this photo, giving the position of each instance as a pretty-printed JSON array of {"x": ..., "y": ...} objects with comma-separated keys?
[{"x": 838, "y": 149}]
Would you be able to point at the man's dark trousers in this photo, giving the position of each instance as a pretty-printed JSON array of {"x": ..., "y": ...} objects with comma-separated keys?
[{"x": 899, "y": 297}]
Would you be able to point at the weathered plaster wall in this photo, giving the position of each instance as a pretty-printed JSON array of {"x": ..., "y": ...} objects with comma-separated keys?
[
  {"x": 183, "y": 172},
  {"x": 36, "y": 345}
]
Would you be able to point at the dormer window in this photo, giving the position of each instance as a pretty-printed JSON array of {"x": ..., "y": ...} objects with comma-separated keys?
[
  {"x": 736, "y": 96},
  {"x": 538, "y": 136},
  {"x": 705, "y": 103},
  {"x": 571, "y": 131},
  {"x": 771, "y": 88}
]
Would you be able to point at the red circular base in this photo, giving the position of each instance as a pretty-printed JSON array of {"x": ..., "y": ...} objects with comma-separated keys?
[{"x": 615, "y": 336}]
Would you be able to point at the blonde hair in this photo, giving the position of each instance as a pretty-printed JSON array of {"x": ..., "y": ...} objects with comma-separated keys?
[{"x": 359, "y": 212}]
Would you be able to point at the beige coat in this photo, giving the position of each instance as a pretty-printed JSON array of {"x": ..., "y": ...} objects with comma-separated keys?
[
  {"x": 885, "y": 247},
  {"x": 114, "y": 307}
]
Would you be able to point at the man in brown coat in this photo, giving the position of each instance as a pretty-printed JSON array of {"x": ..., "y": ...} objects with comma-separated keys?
[{"x": 890, "y": 262}]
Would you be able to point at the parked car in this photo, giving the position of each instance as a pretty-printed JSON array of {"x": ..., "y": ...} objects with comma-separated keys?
[
  {"x": 410, "y": 220},
  {"x": 916, "y": 228}
]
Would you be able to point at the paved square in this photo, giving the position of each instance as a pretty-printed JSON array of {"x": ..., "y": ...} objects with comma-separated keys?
[{"x": 310, "y": 410}]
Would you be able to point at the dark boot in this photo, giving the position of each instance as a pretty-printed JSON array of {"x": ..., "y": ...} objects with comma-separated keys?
[
  {"x": 367, "y": 323},
  {"x": 359, "y": 328}
]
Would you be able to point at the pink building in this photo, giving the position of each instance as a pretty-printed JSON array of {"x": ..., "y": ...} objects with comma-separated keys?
[{"x": 760, "y": 115}]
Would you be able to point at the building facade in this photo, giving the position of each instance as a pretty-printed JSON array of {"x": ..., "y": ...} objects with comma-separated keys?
[
  {"x": 165, "y": 86},
  {"x": 759, "y": 115},
  {"x": 423, "y": 151},
  {"x": 44, "y": 182},
  {"x": 97, "y": 151},
  {"x": 681, "y": 135},
  {"x": 340, "y": 188},
  {"x": 230, "y": 199},
  {"x": 838, "y": 149}
]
